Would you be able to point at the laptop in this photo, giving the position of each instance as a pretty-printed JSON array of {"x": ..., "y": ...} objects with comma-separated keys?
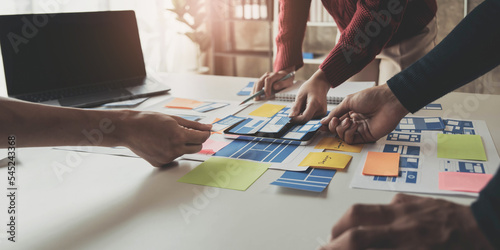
[{"x": 75, "y": 59}]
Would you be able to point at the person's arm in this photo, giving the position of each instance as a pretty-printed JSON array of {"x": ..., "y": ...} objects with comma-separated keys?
[
  {"x": 373, "y": 25},
  {"x": 291, "y": 30},
  {"x": 469, "y": 51},
  {"x": 156, "y": 137},
  {"x": 408, "y": 222},
  {"x": 292, "y": 27},
  {"x": 486, "y": 210}
]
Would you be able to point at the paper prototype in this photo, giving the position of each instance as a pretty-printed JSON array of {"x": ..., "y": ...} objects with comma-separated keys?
[{"x": 314, "y": 180}]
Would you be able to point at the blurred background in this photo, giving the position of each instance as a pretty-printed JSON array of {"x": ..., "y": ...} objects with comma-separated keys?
[{"x": 232, "y": 37}]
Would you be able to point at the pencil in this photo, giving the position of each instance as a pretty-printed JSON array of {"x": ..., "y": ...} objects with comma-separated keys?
[{"x": 262, "y": 90}]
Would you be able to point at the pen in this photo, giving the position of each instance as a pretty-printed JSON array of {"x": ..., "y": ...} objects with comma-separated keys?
[{"x": 262, "y": 90}]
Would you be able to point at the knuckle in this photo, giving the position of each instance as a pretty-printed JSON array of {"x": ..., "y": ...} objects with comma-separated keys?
[
  {"x": 355, "y": 210},
  {"x": 354, "y": 237},
  {"x": 348, "y": 140},
  {"x": 177, "y": 140}
]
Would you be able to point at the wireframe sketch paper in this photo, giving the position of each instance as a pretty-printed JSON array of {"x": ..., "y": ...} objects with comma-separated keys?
[{"x": 419, "y": 165}]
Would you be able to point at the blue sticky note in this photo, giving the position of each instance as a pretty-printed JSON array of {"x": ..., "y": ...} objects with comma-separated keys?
[
  {"x": 247, "y": 90},
  {"x": 313, "y": 179}
]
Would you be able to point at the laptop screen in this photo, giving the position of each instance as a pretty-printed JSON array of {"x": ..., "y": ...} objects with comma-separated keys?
[{"x": 43, "y": 52}]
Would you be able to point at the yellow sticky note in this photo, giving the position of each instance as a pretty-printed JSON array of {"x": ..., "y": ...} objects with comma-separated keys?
[
  {"x": 267, "y": 110},
  {"x": 382, "y": 164},
  {"x": 182, "y": 103},
  {"x": 226, "y": 173},
  {"x": 463, "y": 147},
  {"x": 326, "y": 160},
  {"x": 334, "y": 143}
]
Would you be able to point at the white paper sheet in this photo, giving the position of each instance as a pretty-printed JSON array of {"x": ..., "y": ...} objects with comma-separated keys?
[{"x": 423, "y": 178}]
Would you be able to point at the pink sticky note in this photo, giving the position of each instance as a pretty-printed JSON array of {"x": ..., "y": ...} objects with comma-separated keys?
[
  {"x": 211, "y": 147},
  {"x": 465, "y": 182}
]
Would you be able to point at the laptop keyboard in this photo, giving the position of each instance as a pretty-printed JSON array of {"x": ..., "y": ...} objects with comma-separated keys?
[{"x": 64, "y": 93}]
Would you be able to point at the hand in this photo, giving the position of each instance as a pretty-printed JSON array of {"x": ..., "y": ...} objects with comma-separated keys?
[
  {"x": 311, "y": 98},
  {"x": 366, "y": 116},
  {"x": 408, "y": 222},
  {"x": 159, "y": 138},
  {"x": 270, "y": 82}
]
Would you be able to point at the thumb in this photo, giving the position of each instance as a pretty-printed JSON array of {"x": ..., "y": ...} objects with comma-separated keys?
[
  {"x": 298, "y": 105},
  {"x": 339, "y": 111}
]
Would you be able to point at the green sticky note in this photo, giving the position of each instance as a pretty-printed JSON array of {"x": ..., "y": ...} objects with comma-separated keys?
[
  {"x": 463, "y": 147},
  {"x": 226, "y": 173}
]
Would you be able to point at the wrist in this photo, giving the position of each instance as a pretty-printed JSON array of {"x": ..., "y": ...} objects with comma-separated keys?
[
  {"x": 393, "y": 101},
  {"x": 320, "y": 80},
  {"x": 289, "y": 69},
  {"x": 114, "y": 127}
]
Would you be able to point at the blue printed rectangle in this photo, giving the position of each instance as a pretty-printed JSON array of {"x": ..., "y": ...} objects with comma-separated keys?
[
  {"x": 411, "y": 176},
  {"x": 408, "y": 131},
  {"x": 403, "y": 137},
  {"x": 226, "y": 122},
  {"x": 464, "y": 167},
  {"x": 248, "y": 126},
  {"x": 247, "y": 90},
  {"x": 402, "y": 149},
  {"x": 210, "y": 106},
  {"x": 275, "y": 124},
  {"x": 258, "y": 150},
  {"x": 299, "y": 131},
  {"x": 421, "y": 123},
  {"x": 311, "y": 125},
  {"x": 458, "y": 127},
  {"x": 408, "y": 162},
  {"x": 314, "y": 180}
]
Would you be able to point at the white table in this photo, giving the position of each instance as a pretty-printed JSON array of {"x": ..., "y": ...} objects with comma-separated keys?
[{"x": 110, "y": 202}]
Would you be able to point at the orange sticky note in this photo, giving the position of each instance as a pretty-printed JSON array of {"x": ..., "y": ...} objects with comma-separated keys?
[
  {"x": 181, "y": 103},
  {"x": 465, "y": 182},
  {"x": 382, "y": 164}
]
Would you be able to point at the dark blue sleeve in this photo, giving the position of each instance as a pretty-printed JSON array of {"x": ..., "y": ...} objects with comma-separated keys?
[
  {"x": 469, "y": 51},
  {"x": 486, "y": 210}
]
